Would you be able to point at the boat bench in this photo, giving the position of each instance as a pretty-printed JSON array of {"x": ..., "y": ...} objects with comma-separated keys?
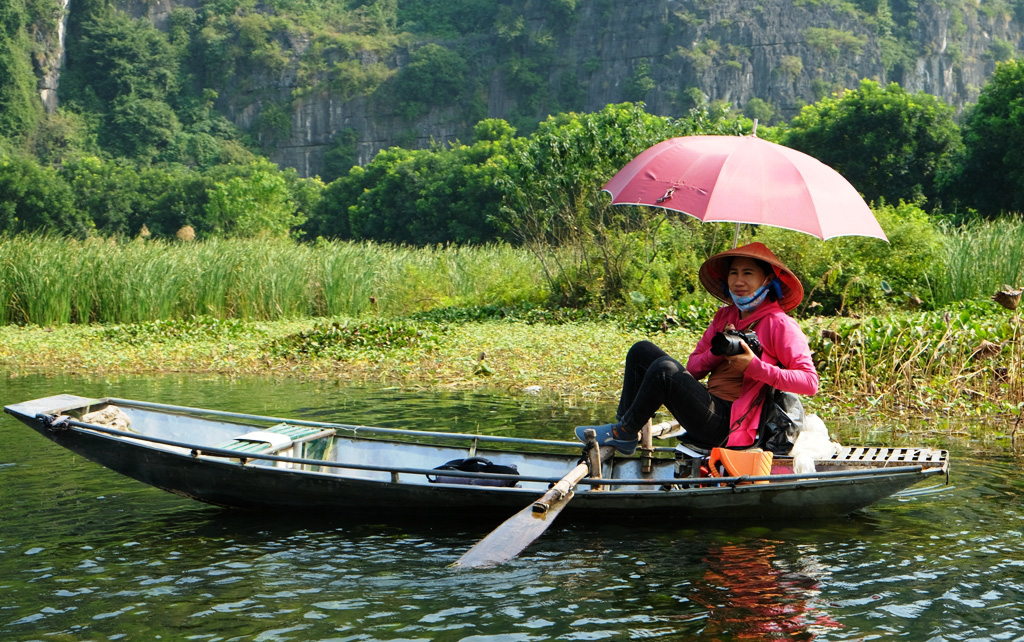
[{"x": 284, "y": 440}]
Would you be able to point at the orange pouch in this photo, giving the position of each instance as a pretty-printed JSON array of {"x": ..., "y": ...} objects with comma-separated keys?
[{"x": 737, "y": 463}]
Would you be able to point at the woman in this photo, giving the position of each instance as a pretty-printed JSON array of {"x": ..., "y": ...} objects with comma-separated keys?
[{"x": 759, "y": 289}]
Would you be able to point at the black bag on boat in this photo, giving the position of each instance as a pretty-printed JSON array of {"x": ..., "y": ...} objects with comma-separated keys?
[
  {"x": 475, "y": 465},
  {"x": 782, "y": 418}
]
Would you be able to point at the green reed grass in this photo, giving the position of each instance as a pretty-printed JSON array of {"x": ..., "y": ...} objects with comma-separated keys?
[
  {"x": 50, "y": 280},
  {"x": 979, "y": 258},
  {"x": 34, "y": 282},
  {"x": 425, "y": 278},
  {"x": 343, "y": 277}
]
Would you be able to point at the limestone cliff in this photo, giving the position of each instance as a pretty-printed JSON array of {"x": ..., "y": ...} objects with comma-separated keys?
[{"x": 535, "y": 59}]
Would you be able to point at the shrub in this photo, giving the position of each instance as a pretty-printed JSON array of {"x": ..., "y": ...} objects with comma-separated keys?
[
  {"x": 33, "y": 197},
  {"x": 435, "y": 76},
  {"x": 857, "y": 272}
]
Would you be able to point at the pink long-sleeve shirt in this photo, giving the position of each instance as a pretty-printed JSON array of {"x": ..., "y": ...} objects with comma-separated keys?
[{"x": 786, "y": 363}]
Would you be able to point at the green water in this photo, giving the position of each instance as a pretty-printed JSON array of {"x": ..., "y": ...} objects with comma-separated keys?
[{"x": 86, "y": 554}]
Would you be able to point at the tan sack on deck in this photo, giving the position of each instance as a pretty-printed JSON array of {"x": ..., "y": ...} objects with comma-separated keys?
[{"x": 110, "y": 417}]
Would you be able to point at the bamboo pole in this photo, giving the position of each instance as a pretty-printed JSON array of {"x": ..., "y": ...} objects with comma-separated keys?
[
  {"x": 646, "y": 449},
  {"x": 594, "y": 457}
]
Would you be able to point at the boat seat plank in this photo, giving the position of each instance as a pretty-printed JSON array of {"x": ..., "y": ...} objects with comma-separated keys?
[{"x": 275, "y": 439}]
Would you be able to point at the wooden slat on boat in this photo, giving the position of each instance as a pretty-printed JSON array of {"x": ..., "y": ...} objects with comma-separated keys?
[{"x": 891, "y": 456}]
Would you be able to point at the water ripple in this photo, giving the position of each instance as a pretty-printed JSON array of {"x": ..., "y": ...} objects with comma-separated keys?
[{"x": 87, "y": 554}]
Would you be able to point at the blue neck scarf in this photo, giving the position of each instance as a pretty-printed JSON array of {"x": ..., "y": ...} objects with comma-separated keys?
[{"x": 750, "y": 303}]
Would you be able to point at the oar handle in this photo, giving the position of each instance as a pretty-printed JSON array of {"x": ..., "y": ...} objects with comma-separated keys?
[
  {"x": 565, "y": 485},
  {"x": 561, "y": 488},
  {"x": 665, "y": 427}
]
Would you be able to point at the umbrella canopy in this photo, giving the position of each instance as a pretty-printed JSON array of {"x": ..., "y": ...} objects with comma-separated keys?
[{"x": 743, "y": 179}]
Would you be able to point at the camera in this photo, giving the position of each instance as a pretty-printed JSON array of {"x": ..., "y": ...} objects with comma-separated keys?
[{"x": 727, "y": 343}]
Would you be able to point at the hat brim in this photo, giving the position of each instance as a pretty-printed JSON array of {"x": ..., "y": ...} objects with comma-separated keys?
[{"x": 714, "y": 273}]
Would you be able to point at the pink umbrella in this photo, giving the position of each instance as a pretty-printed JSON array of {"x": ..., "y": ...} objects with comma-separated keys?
[{"x": 743, "y": 179}]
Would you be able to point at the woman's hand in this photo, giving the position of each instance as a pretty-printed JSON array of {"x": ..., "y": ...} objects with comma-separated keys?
[{"x": 740, "y": 361}]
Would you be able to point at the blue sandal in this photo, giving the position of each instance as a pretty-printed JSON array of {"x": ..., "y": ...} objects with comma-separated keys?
[{"x": 610, "y": 435}]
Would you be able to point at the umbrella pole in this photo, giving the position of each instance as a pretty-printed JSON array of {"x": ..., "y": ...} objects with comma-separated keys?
[{"x": 736, "y": 234}]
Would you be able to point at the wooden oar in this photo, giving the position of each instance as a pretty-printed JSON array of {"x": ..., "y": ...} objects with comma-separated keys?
[{"x": 518, "y": 531}]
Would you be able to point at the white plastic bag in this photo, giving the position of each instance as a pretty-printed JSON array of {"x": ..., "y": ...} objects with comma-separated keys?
[{"x": 812, "y": 443}]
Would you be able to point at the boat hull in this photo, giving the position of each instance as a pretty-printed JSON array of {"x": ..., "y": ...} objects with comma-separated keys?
[{"x": 187, "y": 468}]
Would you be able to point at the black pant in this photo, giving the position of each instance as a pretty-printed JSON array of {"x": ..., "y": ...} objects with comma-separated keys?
[{"x": 654, "y": 379}]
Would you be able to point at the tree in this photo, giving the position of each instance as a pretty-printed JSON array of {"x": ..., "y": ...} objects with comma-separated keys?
[
  {"x": 108, "y": 192},
  {"x": 331, "y": 218},
  {"x": 341, "y": 155},
  {"x": 641, "y": 82},
  {"x": 259, "y": 204},
  {"x": 759, "y": 110},
  {"x": 989, "y": 174},
  {"x": 438, "y": 195},
  {"x": 33, "y": 197},
  {"x": 551, "y": 195},
  {"x": 493, "y": 129},
  {"x": 62, "y": 135},
  {"x": 120, "y": 57},
  {"x": 176, "y": 196},
  {"x": 556, "y": 174},
  {"x": 140, "y": 128},
  {"x": 420, "y": 197},
  {"x": 127, "y": 71},
  {"x": 887, "y": 142}
]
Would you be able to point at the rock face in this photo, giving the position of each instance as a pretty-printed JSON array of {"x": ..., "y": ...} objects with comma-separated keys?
[
  {"x": 669, "y": 53},
  {"x": 318, "y": 118},
  {"x": 48, "y": 69}
]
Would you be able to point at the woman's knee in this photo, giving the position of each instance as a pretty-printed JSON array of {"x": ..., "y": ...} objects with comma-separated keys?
[
  {"x": 644, "y": 352},
  {"x": 667, "y": 367}
]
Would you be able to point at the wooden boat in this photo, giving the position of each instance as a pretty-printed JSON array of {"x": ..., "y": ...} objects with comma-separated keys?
[{"x": 256, "y": 462}]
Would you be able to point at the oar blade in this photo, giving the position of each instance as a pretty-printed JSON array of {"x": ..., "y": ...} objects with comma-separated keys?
[{"x": 512, "y": 537}]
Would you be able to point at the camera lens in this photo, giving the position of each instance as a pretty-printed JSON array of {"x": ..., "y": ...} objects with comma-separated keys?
[{"x": 724, "y": 345}]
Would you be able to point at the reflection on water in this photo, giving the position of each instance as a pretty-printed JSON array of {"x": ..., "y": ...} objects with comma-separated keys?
[
  {"x": 748, "y": 596},
  {"x": 86, "y": 554}
]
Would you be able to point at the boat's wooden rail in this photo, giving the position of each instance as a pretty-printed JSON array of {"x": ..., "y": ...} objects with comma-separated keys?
[{"x": 64, "y": 423}]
